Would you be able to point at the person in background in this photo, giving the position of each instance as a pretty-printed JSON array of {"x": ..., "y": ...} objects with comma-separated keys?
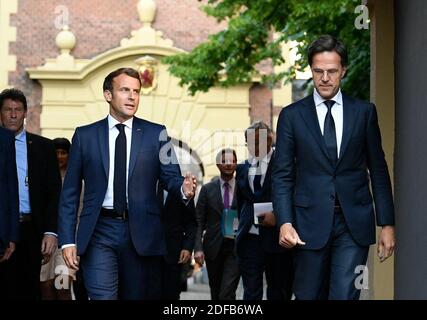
[
  {"x": 179, "y": 221},
  {"x": 39, "y": 189},
  {"x": 56, "y": 267},
  {"x": 215, "y": 249},
  {"x": 257, "y": 247},
  {"x": 9, "y": 210}
]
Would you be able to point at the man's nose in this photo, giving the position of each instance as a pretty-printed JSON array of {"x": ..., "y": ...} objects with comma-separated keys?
[{"x": 325, "y": 76}]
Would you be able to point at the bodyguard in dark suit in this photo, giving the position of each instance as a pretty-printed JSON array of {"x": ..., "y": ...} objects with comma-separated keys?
[
  {"x": 39, "y": 188},
  {"x": 121, "y": 158},
  {"x": 179, "y": 221},
  {"x": 258, "y": 250},
  {"x": 219, "y": 252},
  {"x": 328, "y": 153},
  {"x": 9, "y": 208}
]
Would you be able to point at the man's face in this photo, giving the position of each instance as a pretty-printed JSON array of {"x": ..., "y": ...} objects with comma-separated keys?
[
  {"x": 327, "y": 73},
  {"x": 12, "y": 115},
  {"x": 124, "y": 99},
  {"x": 259, "y": 143},
  {"x": 228, "y": 165},
  {"x": 62, "y": 156}
]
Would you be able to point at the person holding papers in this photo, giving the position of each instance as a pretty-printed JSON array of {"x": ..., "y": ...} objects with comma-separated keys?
[
  {"x": 215, "y": 214},
  {"x": 257, "y": 248}
]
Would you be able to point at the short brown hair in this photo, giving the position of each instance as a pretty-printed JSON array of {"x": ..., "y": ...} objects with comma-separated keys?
[{"x": 108, "y": 81}]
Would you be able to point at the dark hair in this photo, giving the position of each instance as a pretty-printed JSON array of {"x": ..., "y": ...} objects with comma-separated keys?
[
  {"x": 14, "y": 95},
  {"x": 108, "y": 81},
  {"x": 257, "y": 126},
  {"x": 327, "y": 43},
  {"x": 62, "y": 143},
  {"x": 223, "y": 152}
]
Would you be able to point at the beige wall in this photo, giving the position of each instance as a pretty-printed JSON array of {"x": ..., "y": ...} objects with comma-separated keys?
[{"x": 382, "y": 93}]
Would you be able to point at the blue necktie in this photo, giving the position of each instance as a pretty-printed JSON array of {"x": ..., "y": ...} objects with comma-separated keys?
[
  {"x": 329, "y": 133},
  {"x": 119, "y": 184}
]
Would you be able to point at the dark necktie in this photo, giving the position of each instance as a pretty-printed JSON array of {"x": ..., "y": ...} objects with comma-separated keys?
[
  {"x": 226, "y": 195},
  {"x": 257, "y": 181},
  {"x": 329, "y": 133},
  {"x": 120, "y": 170}
]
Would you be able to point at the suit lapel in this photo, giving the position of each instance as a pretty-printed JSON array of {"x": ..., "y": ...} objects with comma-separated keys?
[
  {"x": 350, "y": 112},
  {"x": 309, "y": 115},
  {"x": 103, "y": 139},
  {"x": 137, "y": 128},
  {"x": 218, "y": 196},
  {"x": 30, "y": 156},
  {"x": 244, "y": 181},
  {"x": 266, "y": 186}
]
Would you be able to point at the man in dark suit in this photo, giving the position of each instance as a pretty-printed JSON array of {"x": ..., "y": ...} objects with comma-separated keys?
[
  {"x": 219, "y": 253},
  {"x": 328, "y": 150},
  {"x": 180, "y": 225},
  {"x": 120, "y": 237},
  {"x": 9, "y": 208},
  {"x": 39, "y": 188},
  {"x": 258, "y": 250}
]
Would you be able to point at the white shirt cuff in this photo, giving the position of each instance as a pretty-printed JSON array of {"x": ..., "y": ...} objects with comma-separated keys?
[
  {"x": 51, "y": 234},
  {"x": 68, "y": 245}
]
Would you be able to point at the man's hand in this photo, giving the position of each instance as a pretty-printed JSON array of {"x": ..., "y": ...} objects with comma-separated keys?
[
  {"x": 189, "y": 185},
  {"x": 269, "y": 220},
  {"x": 70, "y": 257},
  {"x": 199, "y": 257},
  {"x": 8, "y": 253},
  {"x": 184, "y": 256},
  {"x": 49, "y": 245},
  {"x": 289, "y": 238},
  {"x": 386, "y": 243}
]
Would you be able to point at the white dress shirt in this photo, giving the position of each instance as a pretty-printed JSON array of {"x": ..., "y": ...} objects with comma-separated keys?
[
  {"x": 337, "y": 114},
  {"x": 261, "y": 169},
  {"x": 113, "y": 133}
]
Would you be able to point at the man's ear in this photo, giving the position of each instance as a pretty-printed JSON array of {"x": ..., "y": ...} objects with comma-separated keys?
[
  {"x": 108, "y": 95},
  {"x": 344, "y": 71}
]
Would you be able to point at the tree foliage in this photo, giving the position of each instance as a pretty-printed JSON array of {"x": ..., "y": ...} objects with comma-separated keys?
[{"x": 230, "y": 56}]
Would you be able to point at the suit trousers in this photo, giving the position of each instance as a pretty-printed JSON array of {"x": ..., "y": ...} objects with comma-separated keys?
[
  {"x": 333, "y": 271},
  {"x": 223, "y": 272},
  {"x": 21, "y": 273},
  {"x": 254, "y": 260},
  {"x": 113, "y": 270}
]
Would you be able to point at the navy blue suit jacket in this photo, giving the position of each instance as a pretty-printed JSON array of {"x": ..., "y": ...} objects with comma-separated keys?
[
  {"x": 305, "y": 181},
  {"x": 89, "y": 161},
  {"x": 9, "y": 196},
  {"x": 269, "y": 236}
]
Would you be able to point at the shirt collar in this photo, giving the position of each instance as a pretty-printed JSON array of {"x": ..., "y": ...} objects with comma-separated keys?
[
  {"x": 22, "y": 136},
  {"x": 112, "y": 122},
  {"x": 230, "y": 182},
  {"x": 318, "y": 100},
  {"x": 253, "y": 160}
]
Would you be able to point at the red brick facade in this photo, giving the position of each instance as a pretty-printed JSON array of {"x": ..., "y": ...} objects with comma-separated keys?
[{"x": 99, "y": 25}]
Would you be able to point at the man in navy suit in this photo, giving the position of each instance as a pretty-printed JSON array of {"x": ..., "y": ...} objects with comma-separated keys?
[
  {"x": 257, "y": 248},
  {"x": 328, "y": 153},
  {"x": 9, "y": 206},
  {"x": 120, "y": 236}
]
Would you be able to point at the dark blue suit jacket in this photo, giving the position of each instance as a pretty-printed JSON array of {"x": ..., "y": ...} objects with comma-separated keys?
[
  {"x": 9, "y": 196},
  {"x": 89, "y": 161},
  {"x": 305, "y": 181},
  {"x": 269, "y": 236}
]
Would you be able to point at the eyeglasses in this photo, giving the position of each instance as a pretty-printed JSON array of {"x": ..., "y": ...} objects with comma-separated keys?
[{"x": 319, "y": 73}]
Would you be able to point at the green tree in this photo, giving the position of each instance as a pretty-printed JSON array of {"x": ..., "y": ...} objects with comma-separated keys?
[{"x": 230, "y": 56}]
